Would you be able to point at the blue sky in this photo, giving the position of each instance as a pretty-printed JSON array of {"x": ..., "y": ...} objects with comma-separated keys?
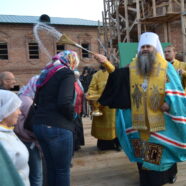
[{"x": 84, "y": 9}]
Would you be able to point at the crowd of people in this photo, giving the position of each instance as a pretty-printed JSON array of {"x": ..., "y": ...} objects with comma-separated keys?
[{"x": 131, "y": 108}]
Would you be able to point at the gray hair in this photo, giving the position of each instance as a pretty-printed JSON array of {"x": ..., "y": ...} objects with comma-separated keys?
[
  {"x": 2, "y": 77},
  {"x": 145, "y": 62}
]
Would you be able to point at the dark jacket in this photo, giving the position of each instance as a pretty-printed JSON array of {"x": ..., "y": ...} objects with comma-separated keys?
[
  {"x": 54, "y": 101},
  {"x": 85, "y": 81}
]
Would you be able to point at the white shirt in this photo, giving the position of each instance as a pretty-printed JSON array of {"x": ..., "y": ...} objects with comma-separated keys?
[{"x": 17, "y": 151}]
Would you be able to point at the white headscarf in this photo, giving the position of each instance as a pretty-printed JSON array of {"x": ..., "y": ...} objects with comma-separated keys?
[
  {"x": 9, "y": 103},
  {"x": 150, "y": 38},
  {"x": 77, "y": 74}
]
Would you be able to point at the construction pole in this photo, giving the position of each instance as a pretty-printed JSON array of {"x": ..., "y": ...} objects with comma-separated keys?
[
  {"x": 105, "y": 26},
  {"x": 117, "y": 19},
  {"x": 165, "y": 25},
  {"x": 183, "y": 24},
  {"x": 110, "y": 4},
  {"x": 126, "y": 20},
  {"x": 138, "y": 18},
  {"x": 154, "y": 8}
]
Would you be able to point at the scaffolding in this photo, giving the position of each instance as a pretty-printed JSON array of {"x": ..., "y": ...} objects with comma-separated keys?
[{"x": 125, "y": 20}]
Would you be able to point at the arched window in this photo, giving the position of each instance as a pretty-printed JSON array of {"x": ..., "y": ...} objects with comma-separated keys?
[
  {"x": 85, "y": 41},
  {"x": 85, "y": 54},
  {"x": 3, "y": 46},
  {"x": 32, "y": 47},
  {"x": 3, "y": 51}
]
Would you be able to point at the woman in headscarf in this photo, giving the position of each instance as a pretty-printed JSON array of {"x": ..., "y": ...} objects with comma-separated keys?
[
  {"x": 78, "y": 106},
  {"x": 26, "y": 94},
  {"x": 53, "y": 121},
  {"x": 9, "y": 113}
]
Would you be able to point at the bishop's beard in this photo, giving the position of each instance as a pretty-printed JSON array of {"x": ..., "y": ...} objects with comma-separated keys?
[{"x": 145, "y": 62}]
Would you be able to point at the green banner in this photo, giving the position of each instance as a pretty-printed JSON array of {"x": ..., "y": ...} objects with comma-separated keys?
[{"x": 127, "y": 51}]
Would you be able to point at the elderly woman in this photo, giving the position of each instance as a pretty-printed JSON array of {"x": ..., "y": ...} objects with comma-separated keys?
[
  {"x": 9, "y": 113},
  {"x": 53, "y": 121},
  {"x": 26, "y": 94}
]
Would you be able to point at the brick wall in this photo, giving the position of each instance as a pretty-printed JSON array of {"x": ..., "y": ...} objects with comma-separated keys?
[
  {"x": 19, "y": 35},
  {"x": 175, "y": 36}
]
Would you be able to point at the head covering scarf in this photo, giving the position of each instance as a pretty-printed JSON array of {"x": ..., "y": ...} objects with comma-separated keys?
[
  {"x": 77, "y": 74},
  {"x": 9, "y": 103},
  {"x": 30, "y": 88},
  {"x": 64, "y": 59},
  {"x": 150, "y": 38}
]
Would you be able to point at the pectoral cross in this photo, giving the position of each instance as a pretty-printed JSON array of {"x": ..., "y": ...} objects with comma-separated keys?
[{"x": 145, "y": 85}]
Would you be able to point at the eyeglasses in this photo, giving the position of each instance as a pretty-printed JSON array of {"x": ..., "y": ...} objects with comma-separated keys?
[{"x": 10, "y": 79}]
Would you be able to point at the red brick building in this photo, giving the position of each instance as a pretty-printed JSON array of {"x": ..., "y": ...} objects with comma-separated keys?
[{"x": 20, "y": 53}]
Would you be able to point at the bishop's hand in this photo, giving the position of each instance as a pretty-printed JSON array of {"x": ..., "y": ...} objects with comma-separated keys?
[
  {"x": 100, "y": 58},
  {"x": 165, "y": 107}
]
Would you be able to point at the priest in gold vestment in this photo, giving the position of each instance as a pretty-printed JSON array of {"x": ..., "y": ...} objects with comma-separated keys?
[
  {"x": 170, "y": 56},
  {"x": 103, "y": 125}
]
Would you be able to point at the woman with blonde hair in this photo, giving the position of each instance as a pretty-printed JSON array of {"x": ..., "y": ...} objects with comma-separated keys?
[{"x": 53, "y": 121}]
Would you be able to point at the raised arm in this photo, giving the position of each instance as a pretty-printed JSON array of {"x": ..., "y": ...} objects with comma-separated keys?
[{"x": 105, "y": 62}]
